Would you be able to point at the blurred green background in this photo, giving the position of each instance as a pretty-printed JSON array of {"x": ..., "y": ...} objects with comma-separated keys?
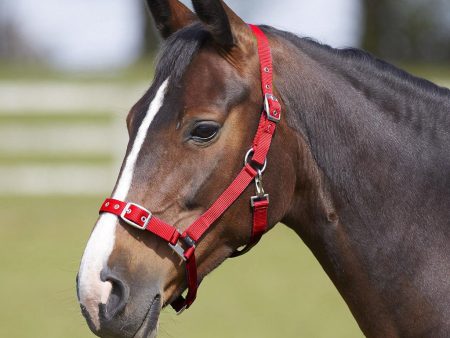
[{"x": 57, "y": 164}]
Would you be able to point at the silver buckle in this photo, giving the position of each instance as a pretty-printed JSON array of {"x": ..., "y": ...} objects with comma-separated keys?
[
  {"x": 124, "y": 212},
  {"x": 260, "y": 194},
  {"x": 178, "y": 250},
  {"x": 257, "y": 198},
  {"x": 250, "y": 153},
  {"x": 269, "y": 113}
]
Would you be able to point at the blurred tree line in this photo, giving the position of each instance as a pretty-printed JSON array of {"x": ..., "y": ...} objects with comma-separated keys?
[
  {"x": 397, "y": 30},
  {"x": 408, "y": 30},
  {"x": 400, "y": 30}
]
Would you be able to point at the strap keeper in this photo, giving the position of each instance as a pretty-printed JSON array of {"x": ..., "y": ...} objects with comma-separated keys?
[
  {"x": 188, "y": 240},
  {"x": 189, "y": 252},
  {"x": 249, "y": 169},
  {"x": 175, "y": 237}
]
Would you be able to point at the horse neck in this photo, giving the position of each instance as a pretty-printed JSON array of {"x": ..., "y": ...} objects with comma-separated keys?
[{"x": 356, "y": 214}]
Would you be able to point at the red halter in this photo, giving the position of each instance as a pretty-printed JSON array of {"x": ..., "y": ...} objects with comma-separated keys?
[{"x": 141, "y": 218}]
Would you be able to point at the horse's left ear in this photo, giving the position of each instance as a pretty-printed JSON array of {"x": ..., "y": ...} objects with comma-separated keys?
[
  {"x": 225, "y": 26},
  {"x": 170, "y": 16}
]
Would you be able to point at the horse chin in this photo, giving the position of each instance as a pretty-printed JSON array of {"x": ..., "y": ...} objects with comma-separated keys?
[{"x": 149, "y": 326}]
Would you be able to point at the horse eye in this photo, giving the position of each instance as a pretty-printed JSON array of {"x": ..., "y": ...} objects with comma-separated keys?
[{"x": 204, "y": 131}]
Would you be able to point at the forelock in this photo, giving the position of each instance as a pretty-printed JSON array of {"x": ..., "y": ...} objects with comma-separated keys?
[{"x": 178, "y": 51}]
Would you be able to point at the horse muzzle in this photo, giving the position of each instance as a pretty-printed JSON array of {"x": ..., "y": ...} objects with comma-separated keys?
[{"x": 128, "y": 311}]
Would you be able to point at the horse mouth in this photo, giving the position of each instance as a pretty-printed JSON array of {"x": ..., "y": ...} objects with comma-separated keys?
[{"x": 149, "y": 326}]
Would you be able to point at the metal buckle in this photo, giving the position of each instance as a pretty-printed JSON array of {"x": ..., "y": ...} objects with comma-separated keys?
[
  {"x": 270, "y": 114},
  {"x": 260, "y": 194},
  {"x": 247, "y": 155},
  {"x": 179, "y": 250},
  {"x": 124, "y": 212},
  {"x": 257, "y": 198}
]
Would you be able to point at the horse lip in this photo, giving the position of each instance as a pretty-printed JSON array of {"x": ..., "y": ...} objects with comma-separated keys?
[{"x": 148, "y": 328}]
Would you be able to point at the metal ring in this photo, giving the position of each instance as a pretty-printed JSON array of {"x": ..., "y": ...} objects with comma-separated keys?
[{"x": 250, "y": 152}]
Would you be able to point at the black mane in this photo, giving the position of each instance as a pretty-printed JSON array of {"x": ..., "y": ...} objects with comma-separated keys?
[{"x": 355, "y": 55}]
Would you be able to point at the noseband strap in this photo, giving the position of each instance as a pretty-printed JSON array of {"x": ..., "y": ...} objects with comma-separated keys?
[{"x": 184, "y": 243}]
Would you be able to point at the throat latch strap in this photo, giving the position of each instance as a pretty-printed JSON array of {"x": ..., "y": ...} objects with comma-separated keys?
[{"x": 184, "y": 244}]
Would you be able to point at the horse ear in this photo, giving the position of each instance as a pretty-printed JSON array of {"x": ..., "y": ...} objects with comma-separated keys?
[
  {"x": 170, "y": 16},
  {"x": 225, "y": 26}
]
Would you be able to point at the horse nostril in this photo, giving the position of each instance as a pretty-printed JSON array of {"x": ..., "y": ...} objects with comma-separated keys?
[{"x": 117, "y": 299}]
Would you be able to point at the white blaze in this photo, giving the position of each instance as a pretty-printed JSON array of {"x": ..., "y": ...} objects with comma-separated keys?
[{"x": 92, "y": 291}]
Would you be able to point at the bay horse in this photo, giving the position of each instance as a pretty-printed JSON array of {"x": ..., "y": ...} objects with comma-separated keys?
[{"x": 358, "y": 167}]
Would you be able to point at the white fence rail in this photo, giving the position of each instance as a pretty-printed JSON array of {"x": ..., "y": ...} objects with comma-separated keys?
[
  {"x": 29, "y": 97},
  {"x": 53, "y": 139}
]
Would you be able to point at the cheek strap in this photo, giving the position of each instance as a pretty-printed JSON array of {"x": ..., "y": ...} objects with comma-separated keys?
[{"x": 184, "y": 243}]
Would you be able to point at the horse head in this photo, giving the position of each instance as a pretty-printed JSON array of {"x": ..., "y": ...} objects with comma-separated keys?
[{"x": 188, "y": 136}]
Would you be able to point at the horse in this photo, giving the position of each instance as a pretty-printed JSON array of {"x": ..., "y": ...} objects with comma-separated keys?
[{"x": 358, "y": 167}]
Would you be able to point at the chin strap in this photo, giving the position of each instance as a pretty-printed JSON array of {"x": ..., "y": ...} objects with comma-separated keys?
[{"x": 184, "y": 243}]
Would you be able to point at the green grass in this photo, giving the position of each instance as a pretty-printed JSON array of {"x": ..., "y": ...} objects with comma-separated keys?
[
  {"x": 277, "y": 290},
  {"x": 140, "y": 71},
  {"x": 44, "y": 118},
  {"x": 14, "y": 159}
]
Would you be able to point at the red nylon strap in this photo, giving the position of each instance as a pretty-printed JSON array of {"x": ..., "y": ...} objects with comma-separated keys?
[
  {"x": 182, "y": 303},
  {"x": 265, "y": 59},
  {"x": 234, "y": 190},
  {"x": 137, "y": 216},
  {"x": 113, "y": 206},
  {"x": 261, "y": 144},
  {"x": 260, "y": 208},
  {"x": 272, "y": 107},
  {"x": 142, "y": 218},
  {"x": 259, "y": 219}
]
